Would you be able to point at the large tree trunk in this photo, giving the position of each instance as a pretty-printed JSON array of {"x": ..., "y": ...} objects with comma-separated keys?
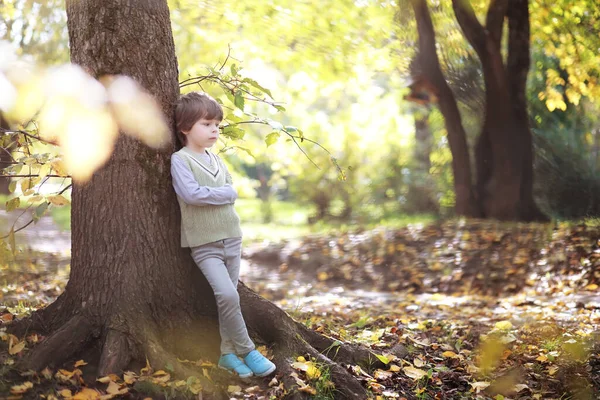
[
  {"x": 133, "y": 292},
  {"x": 504, "y": 152},
  {"x": 466, "y": 203}
]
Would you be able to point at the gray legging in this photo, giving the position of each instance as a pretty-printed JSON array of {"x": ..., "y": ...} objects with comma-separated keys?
[{"x": 220, "y": 263}]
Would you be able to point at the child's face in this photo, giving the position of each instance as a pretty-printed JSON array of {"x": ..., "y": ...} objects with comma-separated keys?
[{"x": 204, "y": 133}]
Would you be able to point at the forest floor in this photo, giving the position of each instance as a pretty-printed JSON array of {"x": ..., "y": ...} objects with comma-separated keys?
[{"x": 486, "y": 311}]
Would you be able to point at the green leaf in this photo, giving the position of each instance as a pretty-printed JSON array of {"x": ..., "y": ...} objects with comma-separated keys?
[
  {"x": 239, "y": 101},
  {"x": 275, "y": 125},
  {"x": 247, "y": 150},
  {"x": 40, "y": 211},
  {"x": 256, "y": 85},
  {"x": 279, "y": 108},
  {"x": 233, "y": 69},
  {"x": 382, "y": 358},
  {"x": 272, "y": 138},
  {"x": 12, "y": 186},
  {"x": 291, "y": 129},
  {"x": 169, "y": 367},
  {"x": 234, "y": 132},
  {"x": 233, "y": 118},
  {"x": 13, "y": 203}
]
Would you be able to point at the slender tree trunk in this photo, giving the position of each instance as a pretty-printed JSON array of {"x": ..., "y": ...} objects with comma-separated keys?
[
  {"x": 461, "y": 165},
  {"x": 133, "y": 293}
]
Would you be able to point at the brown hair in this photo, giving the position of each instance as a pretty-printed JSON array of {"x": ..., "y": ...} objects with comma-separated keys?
[{"x": 192, "y": 107}]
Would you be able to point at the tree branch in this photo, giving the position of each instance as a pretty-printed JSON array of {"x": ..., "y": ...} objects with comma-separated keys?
[
  {"x": 473, "y": 30},
  {"x": 495, "y": 19},
  {"x": 519, "y": 58}
]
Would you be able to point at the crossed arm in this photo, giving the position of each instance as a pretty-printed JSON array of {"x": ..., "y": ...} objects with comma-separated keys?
[{"x": 192, "y": 193}]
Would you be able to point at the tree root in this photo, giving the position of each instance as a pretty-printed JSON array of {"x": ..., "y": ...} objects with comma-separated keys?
[
  {"x": 116, "y": 353},
  {"x": 64, "y": 343}
]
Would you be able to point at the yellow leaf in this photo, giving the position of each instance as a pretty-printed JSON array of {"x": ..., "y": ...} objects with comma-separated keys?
[
  {"x": 59, "y": 167},
  {"x": 147, "y": 370},
  {"x": 115, "y": 388},
  {"x": 234, "y": 389},
  {"x": 60, "y": 200},
  {"x": 129, "y": 377},
  {"x": 395, "y": 368},
  {"x": 47, "y": 373},
  {"x": 108, "y": 378},
  {"x": 449, "y": 354},
  {"x": 308, "y": 389},
  {"x": 66, "y": 393},
  {"x": 301, "y": 359},
  {"x": 552, "y": 370},
  {"x": 591, "y": 287},
  {"x": 414, "y": 373},
  {"x": 504, "y": 325},
  {"x": 17, "y": 348},
  {"x": 542, "y": 358},
  {"x": 86, "y": 394},
  {"x": 80, "y": 362},
  {"x": 20, "y": 389}
]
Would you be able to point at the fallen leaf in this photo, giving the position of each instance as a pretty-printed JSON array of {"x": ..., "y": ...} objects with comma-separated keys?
[
  {"x": 234, "y": 389},
  {"x": 17, "y": 348},
  {"x": 479, "y": 386},
  {"x": 382, "y": 375},
  {"x": 418, "y": 363},
  {"x": 503, "y": 325},
  {"x": 449, "y": 354},
  {"x": 87, "y": 394},
  {"x": 414, "y": 373},
  {"x": 520, "y": 387},
  {"x": 20, "y": 389}
]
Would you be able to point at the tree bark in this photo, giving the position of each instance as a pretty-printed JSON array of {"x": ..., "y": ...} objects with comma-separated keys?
[
  {"x": 517, "y": 68},
  {"x": 133, "y": 292},
  {"x": 466, "y": 203},
  {"x": 5, "y": 159},
  {"x": 504, "y": 151}
]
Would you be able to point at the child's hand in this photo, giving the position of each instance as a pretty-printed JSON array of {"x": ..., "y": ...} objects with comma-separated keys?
[{"x": 233, "y": 192}]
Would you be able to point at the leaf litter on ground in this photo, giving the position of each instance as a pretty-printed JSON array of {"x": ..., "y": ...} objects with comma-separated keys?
[{"x": 460, "y": 310}]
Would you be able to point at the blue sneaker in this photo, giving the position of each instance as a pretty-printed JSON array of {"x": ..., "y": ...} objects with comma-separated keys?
[
  {"x": 232, "y": 363},
  {"x": 259, "y": 365}
]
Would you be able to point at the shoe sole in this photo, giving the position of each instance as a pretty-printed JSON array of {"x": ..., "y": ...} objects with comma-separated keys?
[
  {"x": 233, "y": 372},
  {"x": 267, "y": 372}
]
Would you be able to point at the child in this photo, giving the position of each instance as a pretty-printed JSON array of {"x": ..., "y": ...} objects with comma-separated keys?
[{"x": 211, "y": 227}]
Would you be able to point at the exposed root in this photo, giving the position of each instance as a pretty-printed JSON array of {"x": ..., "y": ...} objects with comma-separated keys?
[
  {"x": 116, "y": 353},
  {"x": 65, "y": 342},
  {"x": 43, "y": 321},
  {"x": 339, "y": 352}
]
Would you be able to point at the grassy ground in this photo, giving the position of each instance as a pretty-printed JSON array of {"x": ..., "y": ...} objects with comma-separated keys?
[{"x": 290, "y": 220}]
